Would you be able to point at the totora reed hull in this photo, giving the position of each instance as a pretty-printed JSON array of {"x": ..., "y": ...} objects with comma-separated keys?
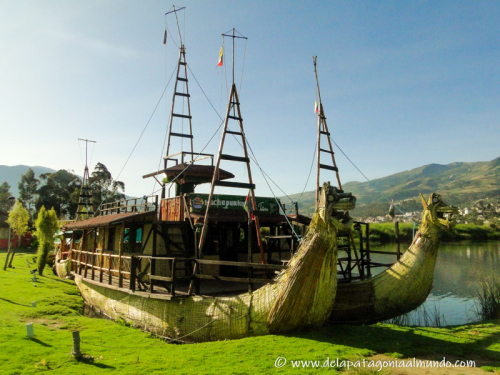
[
  {"x": 406, "y": 284},
  {"x": 302, "y": 296}
]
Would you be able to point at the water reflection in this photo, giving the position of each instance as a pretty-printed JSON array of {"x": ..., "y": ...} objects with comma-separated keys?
[{"x": 459, "y": 270}]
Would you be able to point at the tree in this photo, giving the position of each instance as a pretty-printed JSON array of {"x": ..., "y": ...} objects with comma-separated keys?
[
  {"x": 56, "y": 191},
  {"x": 46, "y": 228},
  {"x": 104, "y": 188},
  {"x": 18, "y": 221},
  {"x": 28, "y": 187},
  {"x": 5, "y": 194}
]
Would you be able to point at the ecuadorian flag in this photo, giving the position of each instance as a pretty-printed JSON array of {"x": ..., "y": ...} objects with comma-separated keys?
[{"x": 221, "y": 57}]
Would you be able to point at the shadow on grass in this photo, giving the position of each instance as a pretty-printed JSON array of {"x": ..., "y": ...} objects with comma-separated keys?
[
  {"x": 40, "y": 342},
  {"x": 412, "y": 341},
  {"x": 89, "y": 360},
  {"x": 68, "y": 282},
  {"x": 14, "y": 303}
]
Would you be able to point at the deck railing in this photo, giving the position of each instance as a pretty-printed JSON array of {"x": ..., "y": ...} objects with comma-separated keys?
[
  {"x": 147, "y": 203},
  {"x": 145, "y": 273}
]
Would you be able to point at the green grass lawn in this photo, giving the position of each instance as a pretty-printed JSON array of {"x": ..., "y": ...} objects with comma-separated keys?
[{"x": 110, "y": 346}]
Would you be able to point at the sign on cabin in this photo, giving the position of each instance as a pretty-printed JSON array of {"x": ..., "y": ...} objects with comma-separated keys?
[{"x": 233, "y": 202}]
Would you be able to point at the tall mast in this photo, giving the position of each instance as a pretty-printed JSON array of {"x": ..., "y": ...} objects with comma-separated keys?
[
  {"x": 182, "y": 93},
  {"x": 85, "y": 207},
  {"x": 234, "y": 107},
  {"x": 323, "y": 131}
]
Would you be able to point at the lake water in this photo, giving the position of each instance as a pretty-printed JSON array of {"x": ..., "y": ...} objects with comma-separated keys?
[{"x": 459, "y": 269}]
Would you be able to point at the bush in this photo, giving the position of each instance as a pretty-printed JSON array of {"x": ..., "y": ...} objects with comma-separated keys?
[{"x": 47, "y": 226}]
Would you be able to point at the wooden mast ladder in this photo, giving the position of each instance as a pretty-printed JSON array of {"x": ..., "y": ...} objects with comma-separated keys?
[
  {"x": 233, "y": 112},
  {"x": 323, "y": 131},
  {"x": 85, "y": 207},
  {"x": 181, "y": 90}
]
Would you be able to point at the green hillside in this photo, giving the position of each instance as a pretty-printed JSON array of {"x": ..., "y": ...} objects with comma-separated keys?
[{"x": 459, "y": 183}]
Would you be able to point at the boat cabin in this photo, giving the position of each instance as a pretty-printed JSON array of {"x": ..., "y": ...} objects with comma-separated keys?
[{"x": 150, "y": 244}]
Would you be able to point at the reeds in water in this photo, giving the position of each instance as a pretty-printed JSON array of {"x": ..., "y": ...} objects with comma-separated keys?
[
  {"x": 422, "y": 316},
  {"x": 488, "y": 299}
]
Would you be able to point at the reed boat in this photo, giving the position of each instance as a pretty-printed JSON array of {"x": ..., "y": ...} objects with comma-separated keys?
[
  {"x": 406, "y": 284},
  {"x": 302, "y": 295},
  {"x": 198, "y": 267}
]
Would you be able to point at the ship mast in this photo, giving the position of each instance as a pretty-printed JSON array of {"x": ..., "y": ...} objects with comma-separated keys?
[
  {"x": 85, "y": 207},
  {"x": 233, "y": 112},
  {"x": 323, "y": 132}
]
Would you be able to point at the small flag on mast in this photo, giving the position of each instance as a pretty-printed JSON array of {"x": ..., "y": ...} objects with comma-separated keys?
[
  {"x": 316, "y": 108},
  {"x": 165, "y": 38},
  {"x": 221, "y": 57}
]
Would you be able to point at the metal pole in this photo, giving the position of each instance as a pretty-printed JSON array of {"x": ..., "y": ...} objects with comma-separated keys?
[{"x": 233, "y": 55}]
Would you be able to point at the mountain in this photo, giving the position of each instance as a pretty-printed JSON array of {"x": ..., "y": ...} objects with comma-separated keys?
[
  {"x": 459, "y": 183},
  {"x": 12, "y": 174}
]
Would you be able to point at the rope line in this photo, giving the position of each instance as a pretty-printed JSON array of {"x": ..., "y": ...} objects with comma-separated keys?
[
  {"x": 310, "y": 171},
  {"x": 147, "y": 124},
  {"x": 243, "y": 66},
  {"x": 367, "y": 179}
]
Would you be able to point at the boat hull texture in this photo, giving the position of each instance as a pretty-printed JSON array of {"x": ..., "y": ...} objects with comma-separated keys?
[
  {"x": 302, "y": 296},
  {"x": 407, "y": 283},
  {"x": 398, "y": 290}
]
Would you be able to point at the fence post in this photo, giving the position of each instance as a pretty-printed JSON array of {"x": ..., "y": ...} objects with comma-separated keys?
[
  {"x": 76, "y": 345},
  {"x": 30, "y": 330}
]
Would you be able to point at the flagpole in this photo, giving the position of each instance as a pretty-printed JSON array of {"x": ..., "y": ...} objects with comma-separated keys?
[
  {"x": 233, "y": 55},
  {"x": 234, "y": 36},
  {"x": 177, "y": 20}
]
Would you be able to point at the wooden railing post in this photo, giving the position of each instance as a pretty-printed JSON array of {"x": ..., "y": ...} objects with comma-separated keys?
[
  {"x": 172, "y": 286},
  {"x": 110, "y": 267},
  {"x": 93, "y": 254},
  {"x": 151, "y": 267},
  {"x": 122, "y": 239},
  {"x": 133, "y": 266},
  {"x": 396, "y": 233},
  {"x": 368, "y": 258}
]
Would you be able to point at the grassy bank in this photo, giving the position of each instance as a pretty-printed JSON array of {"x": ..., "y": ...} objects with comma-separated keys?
[
  {"x": 111, "y": 346},
  {"x": 383, "y": 233}
]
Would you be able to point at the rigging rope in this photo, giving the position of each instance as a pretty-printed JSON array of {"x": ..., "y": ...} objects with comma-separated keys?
[
  {"x": 243, "y": 67},
  {"x": 147, "y": 124},
  {"x": 310, "y": 171},
  {"x": 367, "y": 179}
]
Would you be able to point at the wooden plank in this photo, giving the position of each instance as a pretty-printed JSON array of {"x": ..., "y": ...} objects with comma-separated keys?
[
  {"x": 181, "y": 135},
  {"x": 240, "y": 185},
  {"x": 327, "y": 151},
  {"x": 329, "y": 167},
  {"x": 234, "y": 158},
  {"x": 240, "y": 264},
  {"x": 181, "y": 116},
  {"x": 235, "y": 118},
  {"x": 236, "y": 279},
  {"x": 182, "y": 94}
]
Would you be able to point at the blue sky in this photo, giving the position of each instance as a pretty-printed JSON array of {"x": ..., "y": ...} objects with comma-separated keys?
[{"x": 403, "y": 83}]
